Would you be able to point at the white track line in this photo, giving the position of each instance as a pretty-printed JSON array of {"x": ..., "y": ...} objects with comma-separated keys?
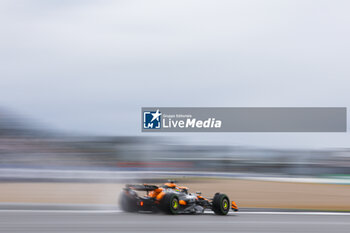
[
  {"x": 120, "y": 211},
  {"x": 299, "y": 213}
]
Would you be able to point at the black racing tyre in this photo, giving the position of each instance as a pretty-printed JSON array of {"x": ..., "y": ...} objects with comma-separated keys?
[
  {"x": 127, "y": 202},
  {"x": 221, "y": 204},
  {"x": 170, "y": 203}
]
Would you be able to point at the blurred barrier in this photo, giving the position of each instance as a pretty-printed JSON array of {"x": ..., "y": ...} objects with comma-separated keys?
[
  {"x": 123, "y": 176},
  {"x": 23, "y": 147}
]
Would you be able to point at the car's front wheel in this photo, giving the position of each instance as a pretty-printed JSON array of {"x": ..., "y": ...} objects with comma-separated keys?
[{"x": 221, "y": 204}]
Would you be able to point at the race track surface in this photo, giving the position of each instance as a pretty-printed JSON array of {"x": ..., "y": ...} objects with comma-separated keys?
[{"x": 30, "y": 221}]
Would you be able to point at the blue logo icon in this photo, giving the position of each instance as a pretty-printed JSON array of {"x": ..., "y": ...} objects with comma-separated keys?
[{"x": 152, "y": 120}]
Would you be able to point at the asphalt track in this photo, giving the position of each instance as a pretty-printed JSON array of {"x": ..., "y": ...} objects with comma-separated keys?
[{"x": 30, "y": 221}]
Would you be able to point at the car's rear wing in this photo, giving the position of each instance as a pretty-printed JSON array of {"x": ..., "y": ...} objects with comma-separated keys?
[{"x": 141, "y": 187}]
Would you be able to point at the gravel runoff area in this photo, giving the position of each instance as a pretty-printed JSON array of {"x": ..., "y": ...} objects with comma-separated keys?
[{"x": 247, "y": 193}]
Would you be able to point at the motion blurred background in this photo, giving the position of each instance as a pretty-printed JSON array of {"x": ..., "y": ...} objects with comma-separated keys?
[{"x": 75, "y": 74}]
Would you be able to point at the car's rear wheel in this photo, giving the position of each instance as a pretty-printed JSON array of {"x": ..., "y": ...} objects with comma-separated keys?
[
  {"x": 221, "y": 204},
  {"x": 170, "y": 203},
  {"x": 128, "y": 203}
]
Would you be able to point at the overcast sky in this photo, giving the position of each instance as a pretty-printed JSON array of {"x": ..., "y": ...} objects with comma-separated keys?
[{"x": 89, "y": 66}]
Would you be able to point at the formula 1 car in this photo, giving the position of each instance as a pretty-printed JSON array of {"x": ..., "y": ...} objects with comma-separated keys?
[{"x": 172, "y": 199}]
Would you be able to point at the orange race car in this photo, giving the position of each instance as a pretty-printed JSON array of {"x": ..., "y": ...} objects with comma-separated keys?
[{"x": 172, "y": 199}]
